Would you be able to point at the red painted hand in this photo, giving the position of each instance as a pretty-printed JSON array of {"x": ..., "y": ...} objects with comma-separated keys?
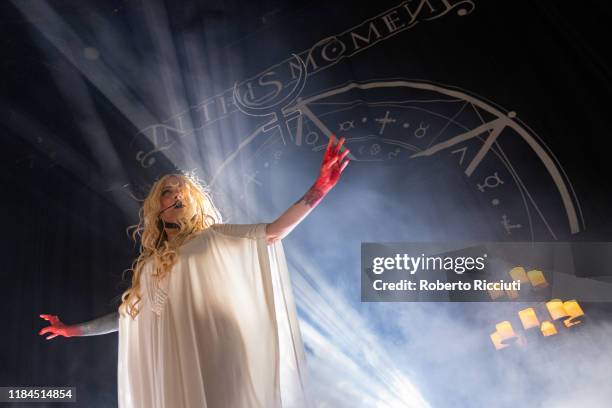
[
  {"x": 333, "y": 165},
  {"x": 57, "y": 328}
]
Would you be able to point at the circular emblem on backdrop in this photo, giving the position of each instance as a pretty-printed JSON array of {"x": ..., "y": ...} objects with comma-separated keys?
[{"x": 505, "y": 164}]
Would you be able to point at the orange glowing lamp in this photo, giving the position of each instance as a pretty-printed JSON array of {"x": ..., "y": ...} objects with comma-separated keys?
[
  {"x": 574, "y": 311},
  {"x": 556, "y": 309},
  {"x": 537, "y": 279},
  {"x": 505, "y": 330},
  {"x": 497, "y": 341},
  {"x": 518, "y": 274},
  {"x": 548, "y": 329},
  {"x": 528, "y": 318}
]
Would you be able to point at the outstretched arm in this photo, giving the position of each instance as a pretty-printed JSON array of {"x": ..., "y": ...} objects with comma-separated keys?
[
  {"x": 102, "y": 325},
  {"x": 333, "y": 164}
]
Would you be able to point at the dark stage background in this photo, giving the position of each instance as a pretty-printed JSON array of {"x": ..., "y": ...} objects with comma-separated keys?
[{"x": 99, "y": 98}]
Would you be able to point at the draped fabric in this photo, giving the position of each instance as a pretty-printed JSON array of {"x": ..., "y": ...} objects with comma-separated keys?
[{"x": 220, "y": 330}]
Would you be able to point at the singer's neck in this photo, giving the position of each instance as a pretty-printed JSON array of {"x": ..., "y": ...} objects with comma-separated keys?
[{"x": 171, "y": 233}]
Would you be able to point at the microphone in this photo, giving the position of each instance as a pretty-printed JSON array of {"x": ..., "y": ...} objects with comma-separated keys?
[
  {"x": 176, "y": 204},
  {"x": 166, "y": 224}
]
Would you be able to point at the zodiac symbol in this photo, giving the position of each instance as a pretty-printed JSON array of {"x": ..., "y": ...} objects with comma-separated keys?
[
  {"x": 312, "y": 138},
  {"x": 384, "y": 121},
  {"x": 509, "y": 227},
  {"x": 374, "y": 149},
  {"x": 280, "y": 118},
  {"x": 347, "y": 125},
  {"x": 252, "y": 178},
  {"x": 392, "y": 155},
  {"x": 490, "y": 182},
  {"x": 462, "y": 150},
  {"x": 421, "y": 131}
]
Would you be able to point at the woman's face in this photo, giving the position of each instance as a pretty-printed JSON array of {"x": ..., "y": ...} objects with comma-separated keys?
[{"x": 171, "y": 192}]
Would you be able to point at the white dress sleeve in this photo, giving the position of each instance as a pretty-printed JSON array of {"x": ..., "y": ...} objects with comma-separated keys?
[{"x": 251, "y": 231}]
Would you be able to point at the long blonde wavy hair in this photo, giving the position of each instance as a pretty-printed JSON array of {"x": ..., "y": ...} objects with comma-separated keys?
[{"x": 154, "y": 244}]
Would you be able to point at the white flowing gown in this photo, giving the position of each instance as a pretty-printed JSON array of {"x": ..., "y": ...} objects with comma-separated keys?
[{"x": 219, "y": 331}]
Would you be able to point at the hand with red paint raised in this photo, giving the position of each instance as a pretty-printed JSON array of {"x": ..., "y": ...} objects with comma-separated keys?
[
  {"x": 333, "y": 165},
  {"x": 57, "y": 328}
]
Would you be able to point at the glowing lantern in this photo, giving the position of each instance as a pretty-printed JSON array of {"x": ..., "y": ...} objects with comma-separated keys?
[
  {"x": 556, "y": 309},
  {"x": 548, "y": 329},
  {"x": 497, "y": 342},
  {"x": 574, "y": 311},
  {"x": 518, "y": 274},
  {"x": 505, "y": 330},
  {"x": 528, "y": 318},
  {"x": 537, "y": 279}
]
